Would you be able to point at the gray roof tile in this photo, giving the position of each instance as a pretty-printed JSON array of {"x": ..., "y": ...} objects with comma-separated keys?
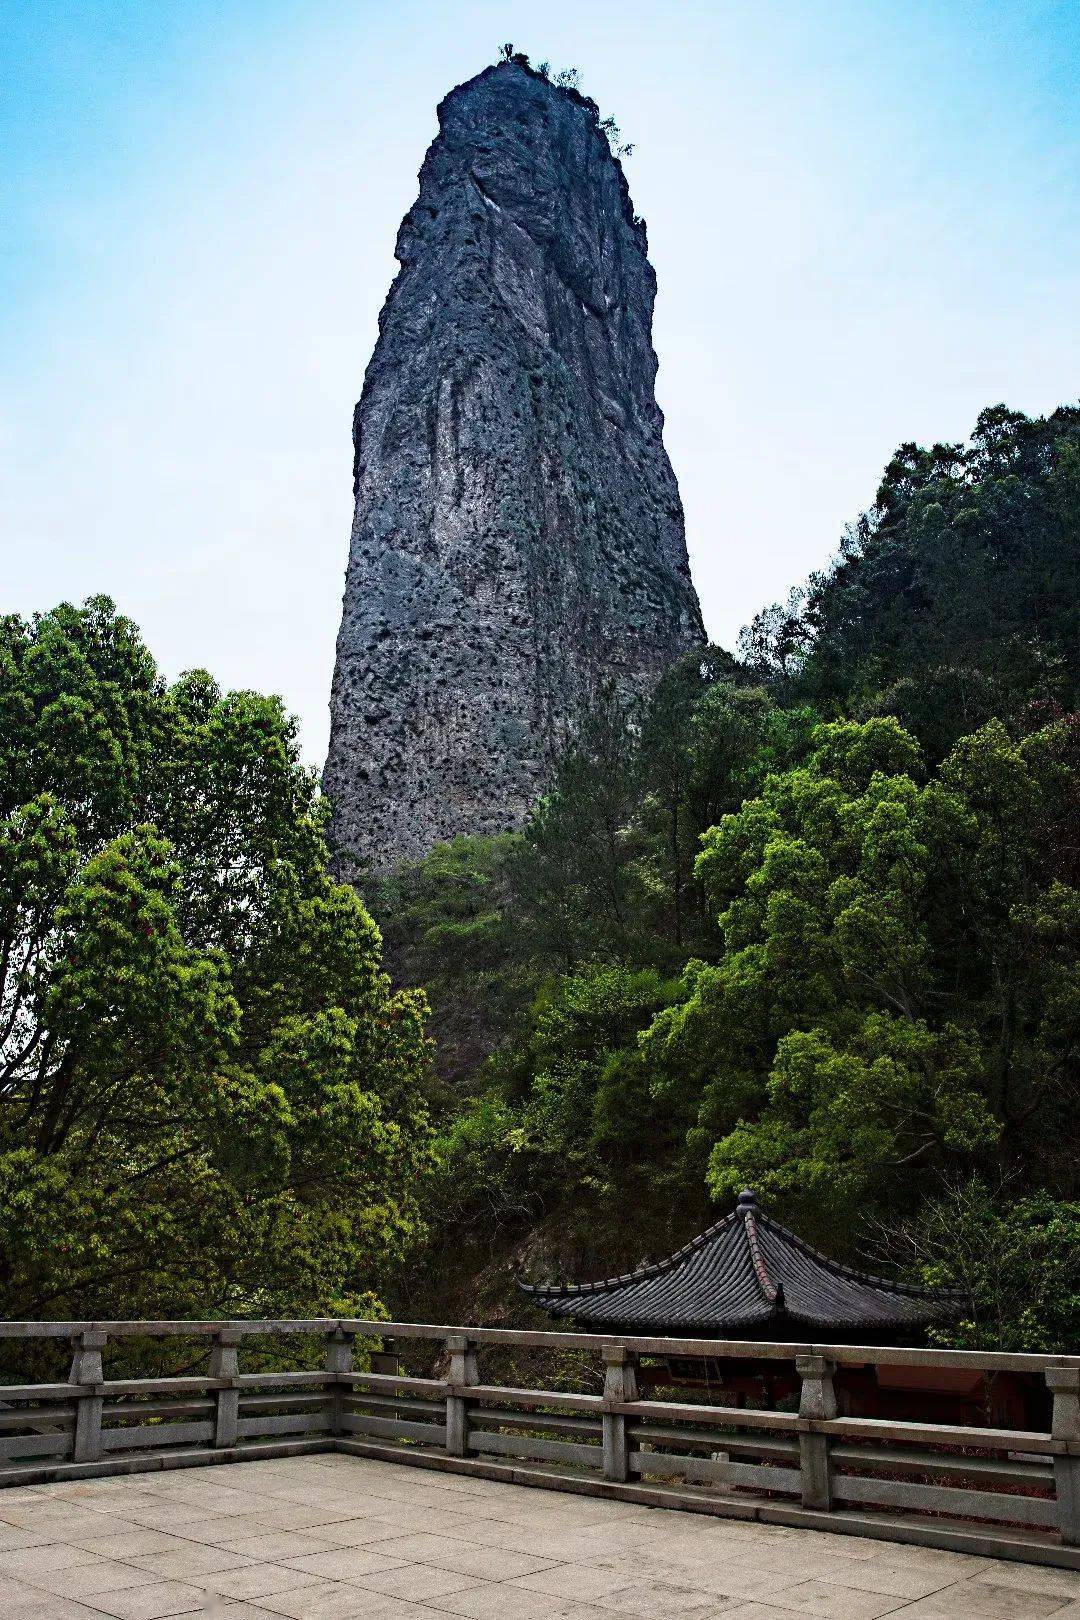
[{"x": 743, "y": 1274}]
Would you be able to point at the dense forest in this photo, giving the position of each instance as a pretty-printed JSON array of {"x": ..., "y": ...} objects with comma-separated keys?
[{"x": 812, "y": 923}]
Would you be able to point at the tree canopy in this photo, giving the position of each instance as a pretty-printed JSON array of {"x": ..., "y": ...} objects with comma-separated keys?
[
  {"x": 955, "y": 598},
  {"x": 899, "y": 989},
  {"x": 210, "y": 1098}
]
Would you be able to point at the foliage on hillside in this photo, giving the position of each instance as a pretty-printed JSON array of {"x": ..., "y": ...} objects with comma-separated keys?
[
  {"x": 956, "y": 598},
  {"x": 211, "y": 1099},
  {"x": 815, "y": 926}
]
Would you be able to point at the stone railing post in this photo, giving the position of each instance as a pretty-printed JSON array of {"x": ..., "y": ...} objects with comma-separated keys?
[
  {"x": 86, "y": 1369},
  {"x": 339, "y": 1359},
  {"x": 462, "y": 1372},
  {"x": 386, "y": 1360},
  {"x": 1064, "y": 1384},
  {"x": 818, "y": 1400},
  {"x": 620, "y": 1384},
  {"x": 224, "y": 1364}
]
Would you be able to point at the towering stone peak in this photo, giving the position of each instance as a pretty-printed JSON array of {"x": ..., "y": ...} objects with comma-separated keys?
[{"x": 518, "y": 537}]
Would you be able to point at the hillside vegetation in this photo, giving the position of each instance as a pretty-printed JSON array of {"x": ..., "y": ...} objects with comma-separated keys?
[{"x": 814, "y": 926}]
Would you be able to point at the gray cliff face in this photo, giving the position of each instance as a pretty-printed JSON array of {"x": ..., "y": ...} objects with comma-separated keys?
[{"x": 518, "y": 539}]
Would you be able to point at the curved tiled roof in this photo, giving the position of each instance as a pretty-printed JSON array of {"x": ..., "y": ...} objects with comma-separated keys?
[{"x": 744, "y": 1273}]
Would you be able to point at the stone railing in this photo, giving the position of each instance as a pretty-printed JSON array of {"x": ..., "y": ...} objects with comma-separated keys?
[{"x": 1011, "y": 1492}]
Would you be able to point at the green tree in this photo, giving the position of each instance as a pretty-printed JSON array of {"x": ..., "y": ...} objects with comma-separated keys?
[
  {"x": 669, "y": 782},
  {"x": 955, "y": 598},
  {"x": 210, "y": 1100},
  {"x": 576, "y": 890},
  {"x": 1014, "y": 1259},
  {"x": 898, "y": 995},
  {"x": 449, "y": 923},
  {"x": 566, "y": 1115}
]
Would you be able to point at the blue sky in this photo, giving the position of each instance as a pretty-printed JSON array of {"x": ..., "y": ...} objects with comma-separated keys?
[{"x": 864, "y": 220}]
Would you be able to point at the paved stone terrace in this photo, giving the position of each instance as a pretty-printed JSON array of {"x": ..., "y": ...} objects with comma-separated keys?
[{"x": 330, "y": 1537}]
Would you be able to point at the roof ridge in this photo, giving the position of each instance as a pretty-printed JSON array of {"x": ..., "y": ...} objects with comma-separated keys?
[{"x": 772, "y": 1292}]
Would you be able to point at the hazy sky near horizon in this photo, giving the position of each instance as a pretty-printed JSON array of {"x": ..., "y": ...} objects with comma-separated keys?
[{"x": 863, "y": 217}]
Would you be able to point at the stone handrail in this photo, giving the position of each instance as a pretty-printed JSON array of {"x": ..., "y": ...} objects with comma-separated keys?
[
  {"x": 538, "y": 1339},
  {"x": 1004, "y": 1492}
]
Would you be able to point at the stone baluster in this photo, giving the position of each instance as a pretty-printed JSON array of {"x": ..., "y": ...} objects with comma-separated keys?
[
  {"x": 1064, "y": 1385},
  {"x": 338, "y": 1359},
  {"x": 620, "y": 1384},
  {"x": 818, "y": 1400},
  {"x": 225, "y": 1365},
  {"x": 462, "y": 1373},
  {"x": 86, "y": 1370}
]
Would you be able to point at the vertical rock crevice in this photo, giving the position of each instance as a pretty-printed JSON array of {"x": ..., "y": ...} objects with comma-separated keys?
[{"x": 518, "y": 538}]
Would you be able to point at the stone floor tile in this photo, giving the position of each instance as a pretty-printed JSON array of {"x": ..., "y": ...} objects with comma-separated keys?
[
  {"x": 128, "y": 1545},
  {"x": 155, "y": 1602},
  {"x": 891, "y": 1579},
  {"x": 719, "y": 1576},
  {"x": 125, "y": 1507},
  {"x": 932, "y": 1560},
  {"x": 256, "y": 1581},
  {"x": 45, "y": 1606},
  {"x": 438, "y": 1521},
  {"x": 435, "y": 1499},
  {"x": 280, "y": 1516},
  {"x": 208, "y": 1493},
  {"x": 419, "y": 1583},
  {"x": 579, "y": 1581},
  {"x": 497, "y": 1601},
  {"x": 215, "y": 1530},
  {"x": 41, "y": 1511},
  {"x": 346, "y": 1563},
  {"x": 486, "y": 1563},
  {"x": 16, "y": 1496},
  {"x": 57, "y": 1555},
  {"x": 310, "y": 1494},
  {"x": 653, "y": 1600},
  {"x": 64, "y": 1521},
  {"x": 557, "y": 1547},
  {"x": 978, "y": 1600},
  {"x": 240, "y": 1611},
  {"x": 91, "y": 1489},
  {"x": 300, "y": 1516},
  {"x": 188, "y": 1560},
  {"x": 1031, "y": 1577},
  {"x": 834, "y": 1602},
  {"x": 332, "y": 1600},
  {"x": 277, "y": 1545},
  {"x": 83, "y": 1580},
  {"x": 10, "y": 1590},
  {"x": 15, "y": 1536},
  {"x": 358, "y": 1532},
  {"x": 762, "y": 1611},
  {"x": 166, "y": 1516}
]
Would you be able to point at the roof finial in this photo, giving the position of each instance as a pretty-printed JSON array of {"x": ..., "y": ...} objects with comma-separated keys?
[{"x": 747, "y": 1199}]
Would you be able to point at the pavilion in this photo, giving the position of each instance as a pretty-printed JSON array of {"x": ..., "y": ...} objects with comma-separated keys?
[{"x": 747, "y": 1277}]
